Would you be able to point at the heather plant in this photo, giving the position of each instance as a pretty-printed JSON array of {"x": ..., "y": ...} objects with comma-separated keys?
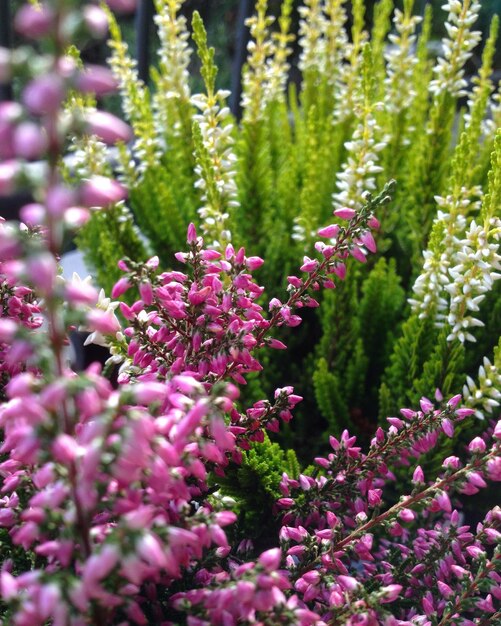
[
  {"x": 129, "y": 504},
  {"x": 370, "y": 106}
]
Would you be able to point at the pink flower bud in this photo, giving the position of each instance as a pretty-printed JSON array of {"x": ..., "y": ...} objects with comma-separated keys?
[
  {"x": 42, "y": 272},
  {"x": 29, "y": 141},
  {"x": 426, "y": 405},
  {"x": 497, "y": 430},
  {"x": 345, "y": 213},
  {"x": 34, "y": 21},
  {"x": 309, "y": 265},
  {"x": 348, "y": 583},
  {"x": 271, "y": 559},
  {"x": 358, "y": 254},
  {"x": 374, "y": 497},
  {"x": 100, "y": 191},
  {"x": 59, "y": 198},
  {"x": 151, "y": 550},
  {"x": 444, "y": 589},
  {"x": 253, "y": 262},
  {"x": 477, "y": 445},
  {"x": 368, "y": 240},
  {"x": 149, "y": 392},
  {"x": 33, "y": 214},
  {"x": 447, "y": 427},
  {"x": 191, "y": 236},
  {"x": 44, "y": 94},
  {"x": 389, "y": 593},
  {"x": 97, "y": 80},
  {"x": 122, "y": 6},
  {"x": 120, "y": 287},
  {"x": 418, "y": 475},
  {"x": 329, "y": 232},
  {"x": 104, "y": 322},
  {"x": 8, "y": 173},
  {"x": 96, "y": 20},
  {"x": 406, "y": 515},
  {"x": 462, "y": 413},
  {"x": 108, "y": 128}
]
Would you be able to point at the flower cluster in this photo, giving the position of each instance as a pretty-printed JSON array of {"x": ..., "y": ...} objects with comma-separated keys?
[
  {"x": 457, "y": 48},
  {"x": 215, "y": 158}
]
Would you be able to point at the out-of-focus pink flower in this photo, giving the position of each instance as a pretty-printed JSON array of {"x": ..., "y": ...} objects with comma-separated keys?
[
  {"x": 109, "y": 128},
  {"x": 44, "y": 94},
  {"x": 100, "y": 191},
  {"x": 122, "y": 6},
  {"x": 96, "y": 20},
  {"x": 97, "y": 80},
  {"x": 34, "y": 22},
  {"x": 30, "y": 141}
]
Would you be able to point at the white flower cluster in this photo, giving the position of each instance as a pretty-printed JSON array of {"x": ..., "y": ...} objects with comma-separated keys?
[
  {"x": 400, "y": 62},
  {"x": 493, "y": 121},
  {"x": 89, "y": 156},
  {"x": 255, "y": 89},
  {"x": 473, "y": 275},
  {"x": 457, "y": 47},
  {"x": 485, "y": 395},
  {"x": 175, "y": 53},
  {"x": 218, "y": 141},
  {"x": 312, "y": 26},
  {"x": 431, "y": 286},
  {"x": 358, "y": 171}
]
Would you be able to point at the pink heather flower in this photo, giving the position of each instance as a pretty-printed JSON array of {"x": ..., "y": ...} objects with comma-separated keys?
[
  {"x": 9, "y": 170},
  {"x": 345, "y": 213},
  {"x": 253, "y": 262},
  {"x": 59, "y": 198},
  {"x": 443, "y": 501},
  {"x": 426, "y": 405},
  {"x": 100, "y": 191},
  {"x": 44, "y": 94},
  {"x": 42, "y": 271},
  {"x": 330, "y": 232},
  {"x": 477, "y": 445},
  {"x": 348, "y": 583},
  {"x": 444, "y": 589},
  {"x": 406, "y": 515},
  {"x": 368, "y": 240},
  {"x": 271, "y": 559},
  {"x": 96, "y": 20},
  {"x": 29, "y": 141},
  {"x": 65, "y": 449},
  {"x": 390, "y": 593},
  {"x": 309, "y": 265},
  {"x": 418, "y": 475},
  {"x": 122, "y": 6},
  {"x": 447, "y": 427},
  {"x": 494, "y": 469},
  {"x": 462, "y": 413},
  {"x": 98, "y": 566},
  {"x": 104, "y": 322},
  {"x": 191, "y": 237},
  {"x": 34, "y": 22},
  {"x": 108, "y": 128},
  {"x": 358, "y": 254},
  {"x": 454, "y": 401},
  {"x": 497, "y": 430},
  {"x": 120, "y": 287},
  {"x": 96, "y": 79},
  {"x": 374, "y": 497},
  {"x": 80, "y": 293},
  {"x": 151, "y": 550}
]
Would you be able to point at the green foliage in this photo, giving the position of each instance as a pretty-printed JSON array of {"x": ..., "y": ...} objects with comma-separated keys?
[{"x": 254, "y": 486}]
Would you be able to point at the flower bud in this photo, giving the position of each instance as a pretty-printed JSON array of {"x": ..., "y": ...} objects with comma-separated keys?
[
  {"x": 34, "y": 21},
  {"x": 122, "y": 6},
  {"x": 97, "y": 80},
  {"x": 100, "y": 191},
  {"x": 8, "y": 172},
  {"x": 108, "y": 128},
  {"x": 44, "y": 94},
  {"x": 29, "y": 141},
  {"x": 96, "y": 21}
]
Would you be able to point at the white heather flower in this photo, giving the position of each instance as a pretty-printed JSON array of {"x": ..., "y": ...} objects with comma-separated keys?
[
  {"x": 217, "y": 140},
  {"x": 430, "y": 296},
  {"x": 174, "y": 53},
  {"x": 400, "y": 62},
  {"x": 477, "y": 266},
  {"x": 312, "y": 26},
  {"x": 485, "y": 395},
  {"x": 358, "y": 172},
  {"x": 260, "y": 49},
  {"x": 456, "y": 48}
]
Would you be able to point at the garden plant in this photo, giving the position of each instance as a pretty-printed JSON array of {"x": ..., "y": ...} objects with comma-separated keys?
[{"x": 355, "y": 218}]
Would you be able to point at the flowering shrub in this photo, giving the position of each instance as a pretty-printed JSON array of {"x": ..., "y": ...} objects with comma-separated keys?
[
  {"x": 115, "y": 503},
  {"x": 372, "y": 104}
]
